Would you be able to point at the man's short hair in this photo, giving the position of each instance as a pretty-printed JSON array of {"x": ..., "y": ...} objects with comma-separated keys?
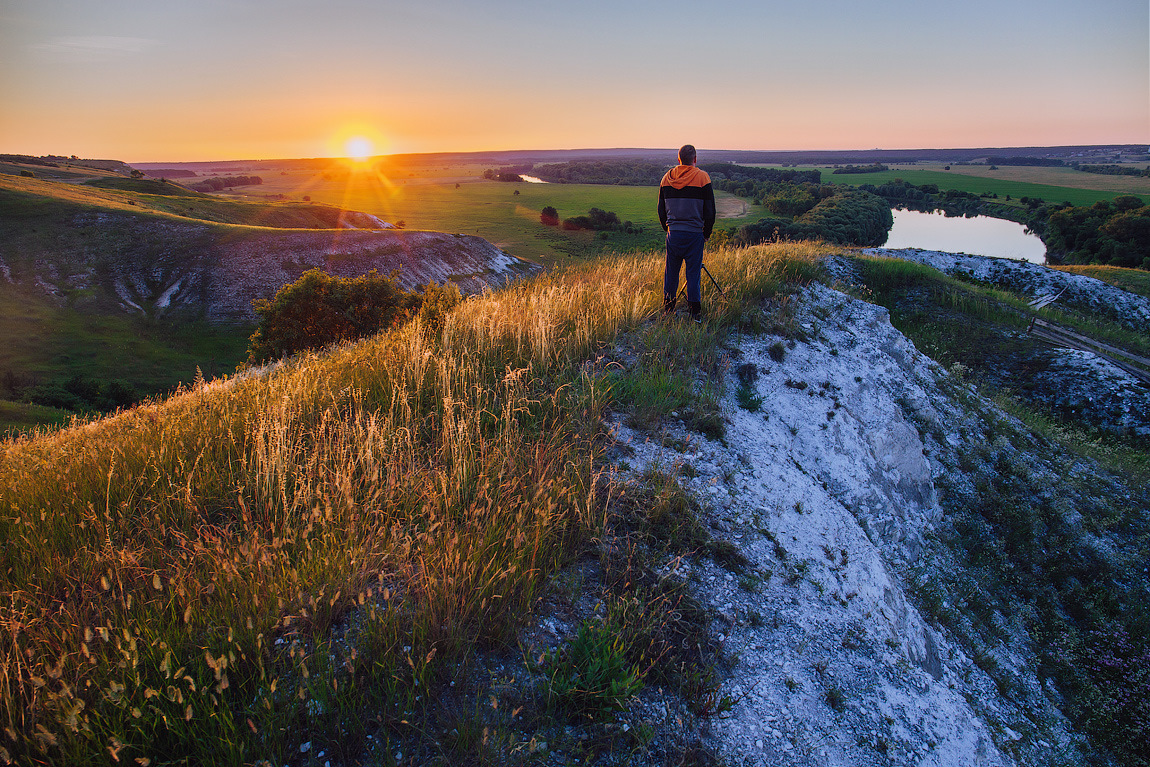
[{"x": 686, "y": 154}]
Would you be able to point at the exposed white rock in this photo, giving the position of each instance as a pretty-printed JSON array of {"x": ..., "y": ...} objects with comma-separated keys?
[{"x": 828, "y": 492}]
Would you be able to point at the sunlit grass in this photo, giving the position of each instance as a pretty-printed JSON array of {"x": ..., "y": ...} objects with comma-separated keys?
[{"x": 302, "y": 553}]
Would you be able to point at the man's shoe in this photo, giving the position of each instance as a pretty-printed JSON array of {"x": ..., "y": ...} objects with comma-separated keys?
[
  {"x": 696, "y": 308},
  {"x": 669, "y": 305}
]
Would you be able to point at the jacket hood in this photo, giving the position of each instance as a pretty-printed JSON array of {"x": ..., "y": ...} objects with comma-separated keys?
[{"x": 686, "y": 175}]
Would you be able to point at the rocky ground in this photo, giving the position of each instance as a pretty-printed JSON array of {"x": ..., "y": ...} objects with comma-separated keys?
[
  {"x": 1033, "y": 280},
  {"x": 829, "y": 493},
  {"x": 1070, "y": 383}
]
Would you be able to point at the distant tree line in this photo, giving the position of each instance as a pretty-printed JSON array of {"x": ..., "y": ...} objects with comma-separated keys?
[
  {"x": 846, "y": 169},
  {"x": 508, "y": 173},
  {"x": 725, "y": 171},
  {"x": 619, "y": 172},
  {"x": 643, "y": 173},
  {"x": 1114, "y": 170},
  {"x": 28, "y": 160},
  {"x": 1041, "y": 162},
  {"x": 170, "y": 173},
  {"x": 226, "y": 182},
  {"x": 953, "y": 202}
]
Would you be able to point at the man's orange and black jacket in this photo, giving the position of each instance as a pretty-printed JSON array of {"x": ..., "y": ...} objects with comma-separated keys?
[{"x": 687, "y": 200}]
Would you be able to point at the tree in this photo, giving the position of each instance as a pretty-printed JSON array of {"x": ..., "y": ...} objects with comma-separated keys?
[
  {"x": 319, "y": 309},
  {"x": 549, "y": 216}
]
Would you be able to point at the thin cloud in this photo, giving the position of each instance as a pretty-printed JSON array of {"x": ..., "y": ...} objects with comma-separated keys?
[{"x": 94, "y": 47}]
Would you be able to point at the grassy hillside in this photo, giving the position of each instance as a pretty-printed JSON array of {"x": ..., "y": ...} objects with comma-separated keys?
[
  {"x": 90, "y": 271},
  {"x": 312, "y": 559},
  {"x": 22, "y": 199},
  {"x": 310, "y": 554}
]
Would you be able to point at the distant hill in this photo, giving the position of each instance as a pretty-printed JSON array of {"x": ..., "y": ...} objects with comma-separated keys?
[{"x": 117, "y": 246}]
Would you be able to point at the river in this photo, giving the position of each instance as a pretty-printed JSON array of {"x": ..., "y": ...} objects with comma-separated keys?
[{"x": 977, "y": 236}]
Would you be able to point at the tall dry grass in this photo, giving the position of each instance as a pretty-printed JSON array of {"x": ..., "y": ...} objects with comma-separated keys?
[{"x": 216, "y": 576}]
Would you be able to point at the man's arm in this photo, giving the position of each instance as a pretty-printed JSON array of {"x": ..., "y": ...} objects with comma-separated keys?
[
  {"x": 708, "y": 210},
  {"x": 662, "y": 208}
]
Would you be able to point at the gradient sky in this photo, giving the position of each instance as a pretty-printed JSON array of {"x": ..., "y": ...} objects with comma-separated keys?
[{"x": 153, "y": 80}]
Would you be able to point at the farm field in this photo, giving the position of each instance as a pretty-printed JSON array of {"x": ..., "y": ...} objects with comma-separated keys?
[
  {"x": 1049, "y": 184},
  {"x": 1066, "y": 177},
  {"x": 488, "y": 209}
]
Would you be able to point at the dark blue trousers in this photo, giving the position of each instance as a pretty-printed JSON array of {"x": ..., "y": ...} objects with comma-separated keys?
[{"x": 684, "y": 247}]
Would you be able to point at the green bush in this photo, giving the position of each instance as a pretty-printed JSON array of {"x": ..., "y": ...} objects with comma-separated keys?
[
  {"x": 436, "y": 303},
  {"x": 319, "y": 309}
]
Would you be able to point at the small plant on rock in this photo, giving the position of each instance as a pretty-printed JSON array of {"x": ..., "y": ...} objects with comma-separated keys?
[{"x": 591, "y": 675}]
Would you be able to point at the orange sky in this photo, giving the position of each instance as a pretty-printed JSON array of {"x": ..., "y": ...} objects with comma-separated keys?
[{"x": 219, "y": 79}]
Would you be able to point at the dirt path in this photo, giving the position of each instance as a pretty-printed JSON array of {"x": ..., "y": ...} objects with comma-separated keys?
[{"x": 729, "y": 206}]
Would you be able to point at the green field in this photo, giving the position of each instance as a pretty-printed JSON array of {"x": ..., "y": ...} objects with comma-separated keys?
[
  {"x": 964, "y": 182},
  {"x": 489, "y": 209}
]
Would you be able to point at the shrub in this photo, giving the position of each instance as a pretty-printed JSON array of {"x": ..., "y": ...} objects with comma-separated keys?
[
  {"x": 436, "y": 303},
  {"x": 549, "y": 216},
  {"x": 319, "y": 309}
]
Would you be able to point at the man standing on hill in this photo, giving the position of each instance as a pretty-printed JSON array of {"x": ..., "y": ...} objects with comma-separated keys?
[{"x": 687, "y": 213}]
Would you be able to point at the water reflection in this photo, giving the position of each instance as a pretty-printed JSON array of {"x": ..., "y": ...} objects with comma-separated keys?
[{"x": 980, "y": 236}]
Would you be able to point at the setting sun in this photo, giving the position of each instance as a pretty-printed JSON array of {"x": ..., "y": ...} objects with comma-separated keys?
[{"x": 358, "y": 148}]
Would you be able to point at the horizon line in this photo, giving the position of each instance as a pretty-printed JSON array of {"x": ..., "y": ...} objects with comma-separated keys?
[{"x": 701, "y": 150}]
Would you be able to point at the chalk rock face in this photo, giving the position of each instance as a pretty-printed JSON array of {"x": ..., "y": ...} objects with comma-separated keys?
[
  {"x": 828, "y": 493},
  {"x": 247, "y": 269},
  {"x": 857, "y": 438}
]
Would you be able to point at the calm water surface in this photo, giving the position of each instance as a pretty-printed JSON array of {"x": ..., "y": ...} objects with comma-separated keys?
[{"x": 978, "y": 236}]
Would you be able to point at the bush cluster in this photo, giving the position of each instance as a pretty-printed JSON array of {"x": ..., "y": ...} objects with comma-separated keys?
[
  {"x": 226, "y": 182},
  {"x": 319, "y": 309},
  {"x": 598, "y": 220},
  {"x": 80, "y": 394}
]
